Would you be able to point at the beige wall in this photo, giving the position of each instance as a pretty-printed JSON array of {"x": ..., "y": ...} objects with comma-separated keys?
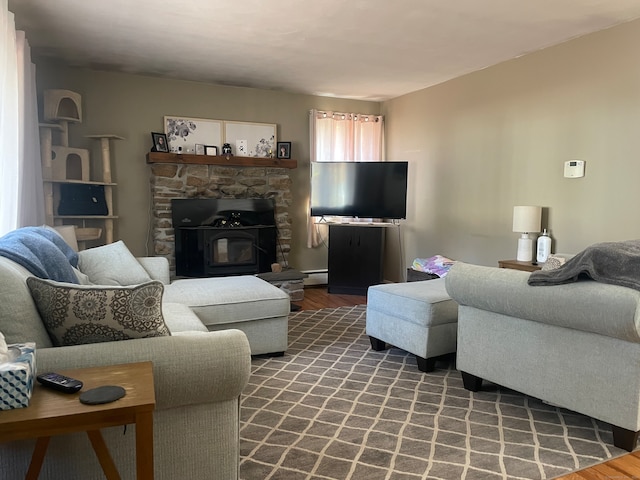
[
  {"x": 133, "y": 106},
  {"x": 477, "y": 146},
  {"x": 482, "y": 143}
]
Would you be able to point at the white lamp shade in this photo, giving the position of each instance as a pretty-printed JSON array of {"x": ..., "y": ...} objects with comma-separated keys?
[{"x": 527, "y": 219}]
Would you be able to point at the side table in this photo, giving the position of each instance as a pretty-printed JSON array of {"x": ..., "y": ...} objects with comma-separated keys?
[
  {"x": 53, "y": 413},
  {"x": 518, "y": 265},
  {"x": 289, "y": 281}
]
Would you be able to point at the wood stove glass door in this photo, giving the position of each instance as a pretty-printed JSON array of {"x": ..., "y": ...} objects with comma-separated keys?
[{"x": 232, "y": 249}]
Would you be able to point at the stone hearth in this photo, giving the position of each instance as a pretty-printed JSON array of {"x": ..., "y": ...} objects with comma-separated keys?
[{"x": 215, "y": 181}]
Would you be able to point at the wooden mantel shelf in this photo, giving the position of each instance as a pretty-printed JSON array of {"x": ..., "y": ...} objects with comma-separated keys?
[{"x": 232, "y": 160}]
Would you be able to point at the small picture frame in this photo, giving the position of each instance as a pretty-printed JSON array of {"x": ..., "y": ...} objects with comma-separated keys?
[
  {"x": 284, "y": 149},
  {"x": 211, "y": 150},
  {"x": 160, "y": 143},
  {"x": 199, "y": 149}
]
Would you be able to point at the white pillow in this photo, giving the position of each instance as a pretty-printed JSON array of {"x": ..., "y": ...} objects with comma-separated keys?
[
  {"x": 112, "y": 264},
  {"x": 82, "y": 278}
]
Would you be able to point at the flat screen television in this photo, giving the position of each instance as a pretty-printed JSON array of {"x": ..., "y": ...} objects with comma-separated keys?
[{"x": 359, "y": 189}]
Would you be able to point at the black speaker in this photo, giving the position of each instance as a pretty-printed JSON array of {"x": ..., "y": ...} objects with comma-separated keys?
[{"x": 82, "y": 199}]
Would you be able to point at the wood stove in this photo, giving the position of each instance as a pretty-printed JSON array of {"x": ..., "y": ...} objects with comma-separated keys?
[{"x": 224, "y": 236}]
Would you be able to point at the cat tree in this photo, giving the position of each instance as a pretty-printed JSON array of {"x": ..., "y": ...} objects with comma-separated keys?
[{"x": 62, "y": 165}]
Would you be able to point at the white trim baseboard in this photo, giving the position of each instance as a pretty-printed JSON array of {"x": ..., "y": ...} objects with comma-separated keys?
[{"x": 316, "y": 277}]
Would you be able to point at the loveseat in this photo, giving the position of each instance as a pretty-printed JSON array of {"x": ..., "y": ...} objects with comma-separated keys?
[
  {"x": 199, "y": 375},
  {"x": 574, "y": 345}
]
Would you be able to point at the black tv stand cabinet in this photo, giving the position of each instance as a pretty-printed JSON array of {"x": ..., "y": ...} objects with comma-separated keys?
[{"x": 356, "y": 255}]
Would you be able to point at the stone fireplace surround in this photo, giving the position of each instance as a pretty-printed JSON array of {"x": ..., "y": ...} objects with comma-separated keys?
[{"x": 170, "y": 181}]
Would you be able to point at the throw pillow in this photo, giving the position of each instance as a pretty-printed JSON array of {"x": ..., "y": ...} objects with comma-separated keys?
[
  {"x": 112, "y": 264},
  {"x": 82, "y": 278},
  {"x": 67, "y": 233},
  {"x": 553, "y": 262},
  {"x": 79, "y": 314}
]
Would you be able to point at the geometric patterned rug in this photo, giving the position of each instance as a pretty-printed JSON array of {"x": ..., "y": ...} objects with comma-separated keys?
[{"x": 334, "y": 409}]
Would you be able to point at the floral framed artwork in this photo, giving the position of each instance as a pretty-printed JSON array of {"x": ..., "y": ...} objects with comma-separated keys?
[
  {"x": 284, "y": 149},
  {"x": 252, "y": 139},
  {"x": 159, "y": 142},
  {"x": 183, "y": 133}
]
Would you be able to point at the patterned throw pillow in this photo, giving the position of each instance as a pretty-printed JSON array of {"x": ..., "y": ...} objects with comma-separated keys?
[
  {"x": 553, "y": 262},
  {"x": 79, "y": 314}
]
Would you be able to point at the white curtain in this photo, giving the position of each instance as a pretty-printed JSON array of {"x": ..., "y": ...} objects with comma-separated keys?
[
  {"x": 344, "y": 137},
  {"x": 21, "y": 190}
]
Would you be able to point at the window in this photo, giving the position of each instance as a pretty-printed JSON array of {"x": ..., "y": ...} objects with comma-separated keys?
[
  {"x": 342, "y": 137},
  {"x": 21, "y": 191}
]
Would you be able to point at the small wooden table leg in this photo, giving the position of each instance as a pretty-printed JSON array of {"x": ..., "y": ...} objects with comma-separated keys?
[
  {"x": 144, "y": 446},
  {"x": 37, "y": 458},
  {"x": 104, "y": 457}
]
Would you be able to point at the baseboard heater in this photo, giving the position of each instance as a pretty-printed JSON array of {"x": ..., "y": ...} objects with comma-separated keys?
[{"x": 316, "y": 277}]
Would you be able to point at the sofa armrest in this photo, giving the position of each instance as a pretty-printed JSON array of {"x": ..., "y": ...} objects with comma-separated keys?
[
  {"x": 585, "y": 305},
  {"x": 156, "y": 267},
  {"x": 188, "y": 369}
]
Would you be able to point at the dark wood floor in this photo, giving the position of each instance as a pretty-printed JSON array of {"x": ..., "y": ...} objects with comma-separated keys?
[
  {"x": 625, "y": 467},
  {"x": 317, "y": 297}
]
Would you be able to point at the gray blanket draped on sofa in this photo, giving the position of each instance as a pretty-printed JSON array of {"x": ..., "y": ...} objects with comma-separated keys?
[{"x": 616, "y": 263}]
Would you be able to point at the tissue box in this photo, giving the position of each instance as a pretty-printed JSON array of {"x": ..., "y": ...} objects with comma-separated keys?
[{"x": 17, "y": 375}]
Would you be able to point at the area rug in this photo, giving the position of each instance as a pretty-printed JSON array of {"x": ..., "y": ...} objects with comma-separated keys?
[{"x": 332, "y": 408}]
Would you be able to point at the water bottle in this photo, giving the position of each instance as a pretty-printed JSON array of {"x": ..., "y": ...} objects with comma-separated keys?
[{"x": 544, "y": 247}]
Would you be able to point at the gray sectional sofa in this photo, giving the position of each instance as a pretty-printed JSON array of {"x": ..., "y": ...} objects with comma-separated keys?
[
  {"x": 574, "y": 345},
  {"x": 200, "y": 370}
]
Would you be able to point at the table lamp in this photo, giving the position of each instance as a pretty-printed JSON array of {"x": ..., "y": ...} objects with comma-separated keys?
[{"x": 526, "y": 219}]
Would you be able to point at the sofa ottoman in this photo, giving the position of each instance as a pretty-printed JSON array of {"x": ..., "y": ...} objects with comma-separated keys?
[
  {"x": 244, "y": 302},
  {"x": 418, "y": 317}
]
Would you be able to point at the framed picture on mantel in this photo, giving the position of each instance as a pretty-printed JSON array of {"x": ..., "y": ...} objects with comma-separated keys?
[
  {"x": 210, "y": 150},
  {"x": 159, "y": 142},
  {"x": 258, "y": 138},
  {"x": 183, "y": 133},
  {"x": 284, "y": 149}
]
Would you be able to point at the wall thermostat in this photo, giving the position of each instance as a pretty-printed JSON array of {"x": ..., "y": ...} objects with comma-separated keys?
[{"x": 574, "y": 168}]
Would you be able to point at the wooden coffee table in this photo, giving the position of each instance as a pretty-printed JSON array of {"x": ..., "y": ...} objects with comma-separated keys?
[{"x": 52, "y": 413}]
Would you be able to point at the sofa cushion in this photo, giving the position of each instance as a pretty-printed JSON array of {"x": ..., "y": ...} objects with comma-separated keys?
[
  {"x": 180, "y": 318},
  {"x": 227, "y": 300},
  {"x": 78, "y": 314},
  {"x": 19, "y": 318},
  {"x": 112, "y": 264},
  {"x": 157, "y": 268}
]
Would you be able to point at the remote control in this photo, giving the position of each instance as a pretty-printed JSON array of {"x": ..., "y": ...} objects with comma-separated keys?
[{"x": 59, "y": 382}]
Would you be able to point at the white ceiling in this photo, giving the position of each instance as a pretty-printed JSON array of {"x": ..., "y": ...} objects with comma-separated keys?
[{"x": 361, "y": 49}]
